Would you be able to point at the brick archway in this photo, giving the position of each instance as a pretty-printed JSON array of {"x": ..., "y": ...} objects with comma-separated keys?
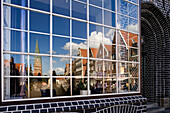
[{"x": 155, "y": 53}]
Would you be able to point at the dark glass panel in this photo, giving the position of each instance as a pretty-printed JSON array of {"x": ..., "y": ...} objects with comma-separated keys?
[
  {"x": 61, "y": 87},
  {"x": 96, "y": 85},
  {"x": 79, "y": 86},
  {"x": 39, "y": 22},
  {"x": 61, "y": 26},
  {"x": 15, "y": 88},
  {"x": 18, "y": 2},
  {"x": 109, "y": 4},
  {"x": 79, "y": 10},
  {"x": 40, "y": 4},
  {"x": 79, "y": 29},
  {"x": 110, "y": 85},
  {"x": 39, "y": 87},
  {"x": 109, "y": 18},
  {"x": 61, "y": 7},
  {"x": 95, "y": 14}
]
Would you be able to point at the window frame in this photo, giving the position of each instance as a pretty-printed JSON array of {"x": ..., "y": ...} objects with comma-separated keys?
[{"x": 50, "y": 13}]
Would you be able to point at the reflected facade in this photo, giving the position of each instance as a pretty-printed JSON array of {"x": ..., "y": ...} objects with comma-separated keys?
[{"x": 70, "y": 48}]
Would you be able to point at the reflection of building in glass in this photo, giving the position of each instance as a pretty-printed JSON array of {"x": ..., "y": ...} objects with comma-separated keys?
[
  {"x": 15, "y": 87},
  {"x": 37, "y": 62}
]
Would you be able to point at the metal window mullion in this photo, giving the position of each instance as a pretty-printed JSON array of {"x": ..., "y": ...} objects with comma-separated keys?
[
  {"x": 116, "y": 50},
  {"x": 2, "y": 58},
  {"x": 139, "y": 52},
  {"x": 51, "y": 49},
  {"x": 103, "y": 43},
  {"x": 71, "y": 84},
  {"x": 88, "y": 50},
  {"x": 28, "y": 38}
]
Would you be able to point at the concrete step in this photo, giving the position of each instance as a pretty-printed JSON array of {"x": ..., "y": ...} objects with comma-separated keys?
[
  {"x": 151, "y": 104},
  {"x": 157, "y": 109}
]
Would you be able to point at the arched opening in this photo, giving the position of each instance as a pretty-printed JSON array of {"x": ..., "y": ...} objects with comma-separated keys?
[{"x": 155, "y": 53}]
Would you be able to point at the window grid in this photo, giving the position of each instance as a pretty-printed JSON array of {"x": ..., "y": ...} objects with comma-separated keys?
[{"x": 51, "y": 36}]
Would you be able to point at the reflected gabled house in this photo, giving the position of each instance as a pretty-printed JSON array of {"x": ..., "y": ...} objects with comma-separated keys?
[
  {"x": 80, "y": 68},
  {"x": 67, "y": 70}
]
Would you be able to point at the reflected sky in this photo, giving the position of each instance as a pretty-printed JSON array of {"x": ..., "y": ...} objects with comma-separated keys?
[{"x": 79, "y": 10}]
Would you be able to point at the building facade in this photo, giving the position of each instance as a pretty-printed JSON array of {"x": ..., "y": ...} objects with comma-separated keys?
[{"x": 58, "y": 50}]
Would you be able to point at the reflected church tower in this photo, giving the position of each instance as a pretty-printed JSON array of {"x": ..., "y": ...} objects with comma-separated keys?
[{"x": 37, "y": 62}]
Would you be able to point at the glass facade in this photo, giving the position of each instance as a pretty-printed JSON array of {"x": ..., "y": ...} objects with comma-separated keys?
[{"x": 69, "y": 48}]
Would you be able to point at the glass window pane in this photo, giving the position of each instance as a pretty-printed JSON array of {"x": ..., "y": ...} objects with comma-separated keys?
[
  {"x": 61, "y": 7},
  {"x": 79, "y": 67},
  {"x": 133, "y": 54},
  {"x": 15, "y": 88},
  {"x": 79, "y": 10},
  {"x": 77, "y": 32},
  {"x": 123, "y": 85},
  {"x": 109, "y": 4},
  {"x": 133, "y": 25},
  {"x": 39, "y": 66},
  {"x": 133, "y": 40},
  {"x": 15, "y": 18},
  {"x": 39, "y": 22},
  {"x": 122, "y": 7},
  {"x": 133, "y": 70},
  {"x": 123, "y": 69},
  {"x": 96, "y": 68},
  {"x": 110, "y": 52},
  {"x": 40, "y": 4},
  {"x": 95, "y": 50},
  {"x": 122, "y": 22},
  {"x": 15, "y": 65},
  {"x": 39, "y": 43},
  {"x": 18, "y": 2},
  {"x": 79, "y": 48},
  {"x": 96, "y": 2},
  {"x": 122, "y": 38},
  {"x": 109, "y": 36},
  {"x": 61, "y": 45},
  {"x": 96, "y": 85},
  {"x": 134, "y": 84},
  {"x": 127, "y": 85},
  {"x": 15, "y": 41},
  {"x": 110, "y": 85},
  {"x": 61, "y": 66},
  {"x": 133, "y": 10},
  {"x": 61, "y": 87},
  {"x": 109, "y": 18},
  {"x": 110, "y": 69},
  {"x": 123, "y": 53},
  {"x": 95, "y": 33},
  {"x": 61, "y": 26},
  {"x": 39, "y": 87},
  {"x": 95, "y": 14},
  {"x": 79, "y": 86}
]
